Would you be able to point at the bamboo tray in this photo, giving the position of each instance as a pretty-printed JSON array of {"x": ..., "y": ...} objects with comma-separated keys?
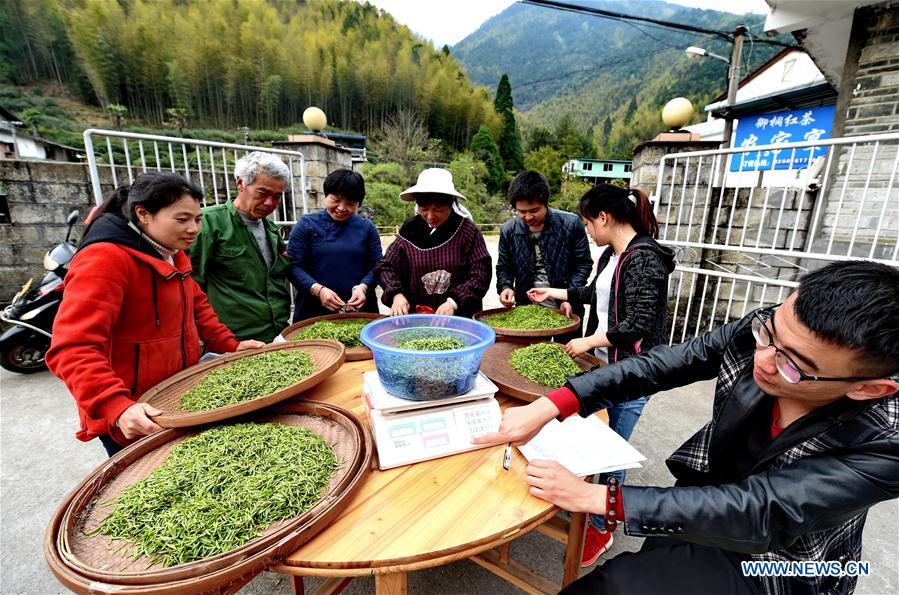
[
  {"x": 532, "y": 333},
  {"x": 495, "y": 366},
  {"x": 353, "y": 354},
  {"x": 327, "y": 356},
  {"x": 91, "y": 565}
]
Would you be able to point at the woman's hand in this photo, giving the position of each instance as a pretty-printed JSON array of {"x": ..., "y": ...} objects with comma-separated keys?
[
  {"x": 538, "y": 295},
  {"x": 357, "y": 298},
  {"x": 446, "y": 309},
  {"x": 330, "y": 299},
  {"x": 507, "y": 297},
  {"x": 249, "y": 344},
  {"x": 520, "y": 424},
  {"x": 565, "y": 308},
  {"x": 575, "y": 347},
  {"x": 557, "y": 485},
  {"x": 135, "y": 421},
  {"x": 400, "y": 305}
]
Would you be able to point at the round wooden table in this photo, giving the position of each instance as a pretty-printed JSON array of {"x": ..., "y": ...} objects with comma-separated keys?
[{"x": 428, "y": 514}]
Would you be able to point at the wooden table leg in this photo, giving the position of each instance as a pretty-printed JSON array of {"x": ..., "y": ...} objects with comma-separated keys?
[
  {"x": 296, "y": 585},
  {"x": 576, "y": 531},
  {"x": 391, "y": 584}
]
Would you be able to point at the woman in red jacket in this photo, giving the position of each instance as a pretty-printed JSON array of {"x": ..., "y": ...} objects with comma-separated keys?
[{"x": 131, "y": 315}]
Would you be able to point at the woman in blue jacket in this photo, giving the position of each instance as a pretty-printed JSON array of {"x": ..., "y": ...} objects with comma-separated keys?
[{"x": 333, "y": 253}]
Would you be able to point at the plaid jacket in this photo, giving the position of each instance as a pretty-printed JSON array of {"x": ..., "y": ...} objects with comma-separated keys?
[{"x": 807, "y": 496}]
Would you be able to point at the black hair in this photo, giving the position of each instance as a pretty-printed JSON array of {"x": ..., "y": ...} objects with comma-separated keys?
[
  {"x": 624, "y": 205},
  {"x": 854, "y": 304},
  {"x": 153, "y": 191},
  {"x": 529, "y": 186},
  {"x": 346, "y": 184},
  {"x": 424, "y": 199}
]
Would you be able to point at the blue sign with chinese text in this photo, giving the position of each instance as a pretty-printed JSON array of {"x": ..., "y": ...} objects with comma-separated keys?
[{"x": 776, "y": 128}]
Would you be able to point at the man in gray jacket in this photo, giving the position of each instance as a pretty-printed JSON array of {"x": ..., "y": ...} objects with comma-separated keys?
[{"x": 771, "y": 495}]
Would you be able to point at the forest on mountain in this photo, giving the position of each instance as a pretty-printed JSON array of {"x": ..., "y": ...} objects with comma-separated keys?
[
  {"x": 608, "y": 78},
  {"x": 255, "y": 63}
]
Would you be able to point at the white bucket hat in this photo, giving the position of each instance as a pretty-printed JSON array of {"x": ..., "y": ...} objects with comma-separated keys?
[{"x": 434, "y": 180}]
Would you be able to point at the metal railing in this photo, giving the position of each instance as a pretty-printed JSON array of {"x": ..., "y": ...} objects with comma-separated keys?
[
  {"x": 744, "y": 236},
  {"x": 208, "y": 163}
]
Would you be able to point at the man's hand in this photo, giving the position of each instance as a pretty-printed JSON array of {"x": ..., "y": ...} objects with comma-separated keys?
[
  {"x": 446, "y": 309},
  {"x": 330, "y": 299},
  {"x": 575, "y": 347},
  {"x": 507, "y": 297},
  {"x": 520, "y": 424},
  {"x": 135, "y": 421},
  {"x": 357, "y": 299},
  {"x": 249, "y": 344},
  {"x": 565, "y": 308},
  {"x": 557, "y": 485},
  {"x": 400, "y": 305}
]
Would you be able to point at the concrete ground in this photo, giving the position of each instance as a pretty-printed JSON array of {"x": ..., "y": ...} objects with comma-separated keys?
[{"x": 41, "y": 461}]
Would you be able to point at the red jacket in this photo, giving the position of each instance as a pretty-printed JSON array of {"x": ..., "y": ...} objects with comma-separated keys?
[{"x": 127, "y": 321}]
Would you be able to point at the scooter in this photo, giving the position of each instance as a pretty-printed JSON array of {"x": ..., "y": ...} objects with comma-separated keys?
[{"x": 32, "y": 311}]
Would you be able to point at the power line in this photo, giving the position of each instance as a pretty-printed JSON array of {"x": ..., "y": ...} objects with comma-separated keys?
[
  {"x": 619, "y": 16},
  {"x": 622, "y": 58}
]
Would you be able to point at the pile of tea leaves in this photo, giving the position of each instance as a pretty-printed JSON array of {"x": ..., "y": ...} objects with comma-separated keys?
[
  {"x": 530, "y": 318},
  {"x": 431, "y": 344},
  {"x": 218, "y": 490},
  {"x": 248, "y": 378},
  {"x": 544, "y": 363},
  {"x": 345, "y": 331}
]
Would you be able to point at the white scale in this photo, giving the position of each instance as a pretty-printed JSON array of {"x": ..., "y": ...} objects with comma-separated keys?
[{"x": 413, "y": 431}]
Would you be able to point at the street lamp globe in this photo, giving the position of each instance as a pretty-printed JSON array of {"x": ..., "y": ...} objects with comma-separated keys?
[
  {"x": 695, "y": 52},
  {"x": 677, "y": 112},
  {"x": 315, "y": 119}
]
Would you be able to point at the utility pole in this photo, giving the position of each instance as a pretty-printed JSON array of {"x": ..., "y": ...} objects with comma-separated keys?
[{"x": 733, "y": 82}]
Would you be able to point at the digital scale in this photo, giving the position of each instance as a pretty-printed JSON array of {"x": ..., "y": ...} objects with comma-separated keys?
[{"x": 413, "y": 431}]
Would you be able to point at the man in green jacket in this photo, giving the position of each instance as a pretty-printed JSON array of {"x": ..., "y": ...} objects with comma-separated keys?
[{"x": 239, "y": 258}]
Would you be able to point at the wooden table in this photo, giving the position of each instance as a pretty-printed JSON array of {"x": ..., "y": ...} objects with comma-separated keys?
[{"x": 428, "y": 514}]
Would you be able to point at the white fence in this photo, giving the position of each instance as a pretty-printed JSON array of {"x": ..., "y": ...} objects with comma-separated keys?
[
  {"x": 209, "y": 164},
  {"x": 744, "y": 237}
]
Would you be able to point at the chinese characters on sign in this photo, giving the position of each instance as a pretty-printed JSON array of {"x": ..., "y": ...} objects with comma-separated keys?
[{"x": 777, "y": 128}]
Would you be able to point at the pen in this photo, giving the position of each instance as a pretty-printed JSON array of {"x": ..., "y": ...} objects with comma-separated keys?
[{"x": 507, "y": 457}]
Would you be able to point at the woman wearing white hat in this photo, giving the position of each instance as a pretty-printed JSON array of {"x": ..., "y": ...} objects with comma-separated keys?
[{"x": 438, "y": 262}]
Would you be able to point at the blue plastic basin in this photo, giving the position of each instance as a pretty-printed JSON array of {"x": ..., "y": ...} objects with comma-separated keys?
[{"x": 427, "y": 375}]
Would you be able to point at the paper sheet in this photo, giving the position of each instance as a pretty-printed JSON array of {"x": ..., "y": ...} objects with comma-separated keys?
[{"x": 584, "y": 446}]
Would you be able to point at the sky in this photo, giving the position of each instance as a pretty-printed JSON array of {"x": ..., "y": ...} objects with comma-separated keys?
[{"x": 449, "y": 21}]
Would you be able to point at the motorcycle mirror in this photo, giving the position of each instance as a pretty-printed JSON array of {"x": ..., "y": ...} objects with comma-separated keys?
[{"x": 70, "y": 221}]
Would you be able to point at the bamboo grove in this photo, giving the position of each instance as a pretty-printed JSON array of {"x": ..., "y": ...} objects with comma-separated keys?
[{"x": 256, "y": 63}]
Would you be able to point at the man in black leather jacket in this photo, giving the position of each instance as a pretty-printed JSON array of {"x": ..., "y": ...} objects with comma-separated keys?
[{"x": 803, "y": 440}]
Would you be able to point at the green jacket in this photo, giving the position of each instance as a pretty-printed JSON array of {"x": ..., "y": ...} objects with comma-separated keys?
[{"x": 250, "y": 300}]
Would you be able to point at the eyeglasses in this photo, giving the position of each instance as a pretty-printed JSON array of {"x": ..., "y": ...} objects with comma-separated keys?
[{"x": 785, "y": 365}]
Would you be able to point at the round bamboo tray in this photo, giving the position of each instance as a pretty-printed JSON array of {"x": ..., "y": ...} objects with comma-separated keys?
[
  {"x": 495, "y": 366},
  {"x": 166, "y": 396},
  {"x": 92, "y": 565},
  {"x": 531, "y": 333},
  {"x": 353, "y": 354}
]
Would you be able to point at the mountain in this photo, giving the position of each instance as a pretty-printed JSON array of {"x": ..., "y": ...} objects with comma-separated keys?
[{"x": 596, "y": 68}]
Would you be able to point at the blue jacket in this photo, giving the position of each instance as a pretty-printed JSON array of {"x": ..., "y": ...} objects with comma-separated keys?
[
  {"x": 337, "y": 255},
  {"x": 565, "y": 250}
]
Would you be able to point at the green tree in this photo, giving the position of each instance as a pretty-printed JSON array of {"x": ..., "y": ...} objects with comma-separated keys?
[
  {"x": 177, "y": 118},
  {"x": 118, "y": 112},
  {"x": 484, "y": 148},
  {"x": 572, "y": 141},
  {"x": 540, "y": 137},
  {"x": 570, "y": 194},
  {"x": 549, "y": 162},
  {"x": 509, "y": 136}
]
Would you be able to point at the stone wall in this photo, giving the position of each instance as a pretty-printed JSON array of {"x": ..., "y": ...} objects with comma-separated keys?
[
  {"x": 40, "y": 195},
  {"x": 858, "y": 201}
]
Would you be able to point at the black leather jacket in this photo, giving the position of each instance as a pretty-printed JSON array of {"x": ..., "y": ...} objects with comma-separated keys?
[{"x": 806, "y": 496}]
